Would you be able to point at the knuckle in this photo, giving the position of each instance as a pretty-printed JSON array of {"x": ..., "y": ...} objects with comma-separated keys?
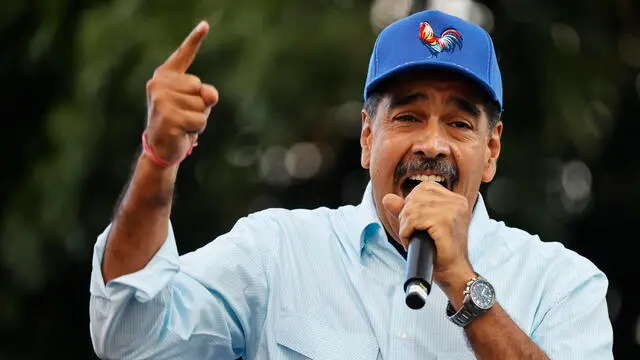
[
  {"x": 175, "y": 115},
  {"x": 411, "y": 196},
  {"x": 193, "y": 82},
  {"x": 166, "y": 115},
  {"x": 194, "y": 79},
  {"x": 197, "y": 103},
  {"x": 411, "y": 203},
  {"x": 151, "y": 84},
  {"x": 402, "y": 216},
  {"x": 158, "y": 97},
  {"x": 408, "y": 220},
  {"x": 159, "y": 71}
]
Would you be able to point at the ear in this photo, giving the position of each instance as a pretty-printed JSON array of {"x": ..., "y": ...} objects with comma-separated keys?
[
  {"x": 492, "y": 153},
  {"x": 365, "y": 140}
]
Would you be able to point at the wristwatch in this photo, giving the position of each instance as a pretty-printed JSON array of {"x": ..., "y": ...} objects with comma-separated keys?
[{"x": 479, "y": 297}]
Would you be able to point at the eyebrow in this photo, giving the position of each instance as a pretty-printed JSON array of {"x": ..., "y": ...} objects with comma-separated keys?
[
  {"x": 406, "y": 99},
  {"x": 461, "y": 103},
  {"x": 465, "y": 105}
]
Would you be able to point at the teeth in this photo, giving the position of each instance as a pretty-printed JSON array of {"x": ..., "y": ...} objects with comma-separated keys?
[{"x": 431, "y": 178}]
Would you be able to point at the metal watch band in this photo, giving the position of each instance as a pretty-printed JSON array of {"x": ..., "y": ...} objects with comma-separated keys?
[
  {"x": 469, "y": 311},
  {"x": 461, "y": 318}
]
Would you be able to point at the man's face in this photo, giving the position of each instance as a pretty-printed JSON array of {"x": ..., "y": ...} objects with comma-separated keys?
[{"x": 428, "y": 128}]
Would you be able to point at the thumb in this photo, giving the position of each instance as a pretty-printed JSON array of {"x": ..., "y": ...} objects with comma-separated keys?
[
  {"x": 209, "y": 94},
  {"x": 393, "y": 204}
]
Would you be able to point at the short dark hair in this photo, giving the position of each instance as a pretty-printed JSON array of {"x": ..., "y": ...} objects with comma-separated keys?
[
  {"x": 372, "y": 103},
  {"x": 490, "y": 107}
]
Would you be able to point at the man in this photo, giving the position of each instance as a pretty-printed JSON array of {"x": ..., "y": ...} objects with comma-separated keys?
[{"x": 328, "y": 283}]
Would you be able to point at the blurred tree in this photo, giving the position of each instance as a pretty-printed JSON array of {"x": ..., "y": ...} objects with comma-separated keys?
[{"x": 289, "y": 72}]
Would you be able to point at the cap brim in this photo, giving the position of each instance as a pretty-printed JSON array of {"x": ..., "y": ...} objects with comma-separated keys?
[{"x": 433, "y": 65}]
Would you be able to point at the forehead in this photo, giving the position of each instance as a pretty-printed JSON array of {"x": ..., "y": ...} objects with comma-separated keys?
[{"x": 445, "y": 81}]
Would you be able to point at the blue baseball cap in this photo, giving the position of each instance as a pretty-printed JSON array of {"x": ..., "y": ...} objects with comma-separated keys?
[{"x": 432, "y": 39}]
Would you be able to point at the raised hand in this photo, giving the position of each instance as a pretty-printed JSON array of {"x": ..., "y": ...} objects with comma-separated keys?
[{"x": 178, "y": 103}]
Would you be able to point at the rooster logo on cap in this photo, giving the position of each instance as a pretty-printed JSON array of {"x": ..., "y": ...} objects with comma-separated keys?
[{"x": 447, "y": 41}]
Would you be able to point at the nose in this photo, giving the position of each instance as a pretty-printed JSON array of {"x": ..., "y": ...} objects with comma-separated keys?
[{"x": 431, "y": 143}]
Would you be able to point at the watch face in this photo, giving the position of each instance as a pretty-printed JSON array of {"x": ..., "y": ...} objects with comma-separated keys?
[{"x": 482, "y": 294}]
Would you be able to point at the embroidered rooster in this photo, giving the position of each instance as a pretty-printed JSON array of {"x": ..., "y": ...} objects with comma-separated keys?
[{"x": 448, "y": 41}]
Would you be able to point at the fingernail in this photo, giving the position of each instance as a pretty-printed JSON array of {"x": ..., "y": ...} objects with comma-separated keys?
[{"x": 198, "y": 27}]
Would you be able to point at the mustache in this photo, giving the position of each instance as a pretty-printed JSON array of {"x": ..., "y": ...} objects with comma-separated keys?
[{"x": 422, "y": 164}]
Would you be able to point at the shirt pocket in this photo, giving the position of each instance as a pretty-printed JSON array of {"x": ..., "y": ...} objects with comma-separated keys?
[{"x": 312, "y": 340}]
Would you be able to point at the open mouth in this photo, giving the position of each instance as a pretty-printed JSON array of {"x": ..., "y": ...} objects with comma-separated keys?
[{"x": 412, "y": 181}]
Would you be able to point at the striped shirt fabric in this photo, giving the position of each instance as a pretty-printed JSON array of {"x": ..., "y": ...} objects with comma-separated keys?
[{"x": 326, "y": 284}]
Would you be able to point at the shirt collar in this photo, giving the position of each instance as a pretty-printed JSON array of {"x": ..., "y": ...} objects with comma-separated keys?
[{"x": 368, "y": 224}]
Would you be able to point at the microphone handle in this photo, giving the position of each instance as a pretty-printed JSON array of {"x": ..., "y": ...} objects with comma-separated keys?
[{"x": 420, "y": 257}]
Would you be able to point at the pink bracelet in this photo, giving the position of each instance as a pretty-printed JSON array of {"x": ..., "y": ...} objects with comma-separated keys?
[{"x": 149, "y": 152}]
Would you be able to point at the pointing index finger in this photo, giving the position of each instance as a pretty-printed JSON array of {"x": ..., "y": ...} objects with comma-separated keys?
[{"x": 182, "y": 58}]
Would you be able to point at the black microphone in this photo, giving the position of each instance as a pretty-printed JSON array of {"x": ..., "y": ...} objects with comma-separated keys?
[{"x": 419, "y": 269}]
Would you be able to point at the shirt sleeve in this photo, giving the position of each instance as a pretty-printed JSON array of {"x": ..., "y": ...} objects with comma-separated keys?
[
  {"x": 577, "y": 325},
  {"x": 202, "y": 305}
]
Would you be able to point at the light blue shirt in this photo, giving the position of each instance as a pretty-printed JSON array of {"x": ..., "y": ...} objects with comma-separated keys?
[{"x": 326, "y": 284}]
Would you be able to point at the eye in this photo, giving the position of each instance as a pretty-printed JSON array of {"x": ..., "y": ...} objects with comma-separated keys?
[
  {"x": 407, "y": 118},
  {"x": 460, "y": 124}
]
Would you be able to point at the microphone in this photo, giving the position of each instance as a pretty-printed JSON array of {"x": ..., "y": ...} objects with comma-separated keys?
[{"x": 419, "y": 269}]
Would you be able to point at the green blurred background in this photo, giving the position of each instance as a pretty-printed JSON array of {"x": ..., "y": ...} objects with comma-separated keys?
[{"x": 285, "y": 133}]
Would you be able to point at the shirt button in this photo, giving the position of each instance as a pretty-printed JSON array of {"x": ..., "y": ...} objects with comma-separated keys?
[{"x": 402, "y": 335}]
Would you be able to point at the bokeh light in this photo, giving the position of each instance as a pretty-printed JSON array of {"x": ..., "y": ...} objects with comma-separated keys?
[
  {"x": 566, "y": 39},
  {"x": 384, "y": 12},
  {"x": 303, "y": 160},
  {"x": 272, "y": 167},
  {"x": 629, "y": 48},
  {"x": 472, "y": 11},
  {"x": 576, "y": 183},
  {"x": 244, "y": 149}
]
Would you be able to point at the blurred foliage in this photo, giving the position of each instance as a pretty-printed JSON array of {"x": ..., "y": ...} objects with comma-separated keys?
[{"x": 73, "y": 105}]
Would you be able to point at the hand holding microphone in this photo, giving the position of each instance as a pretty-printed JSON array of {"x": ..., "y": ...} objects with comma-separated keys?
[{"x": 432, "y": 224}]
